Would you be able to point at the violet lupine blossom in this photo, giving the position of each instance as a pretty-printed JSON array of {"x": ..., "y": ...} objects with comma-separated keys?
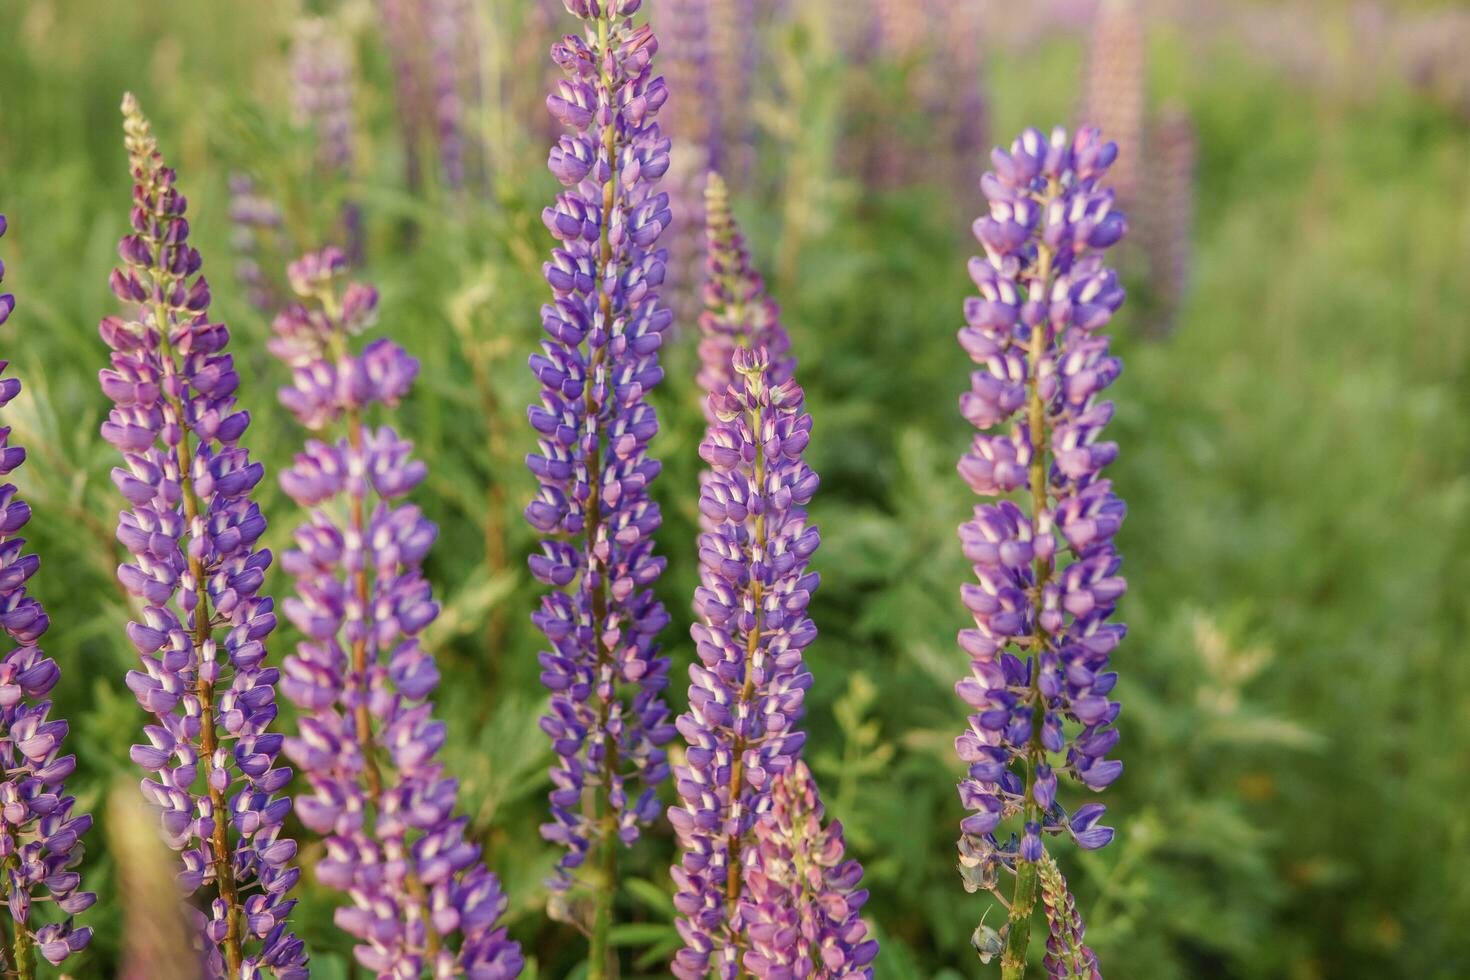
[
  {"x": 403, "y": 34},
  {"x": 804, "y": 909},
  {"x": 257, "y": 238},
  {"x": 322, "y": 79},
  {"x": 738, "y": 312},
  {"x": 193, "y": 532},
  {"x": 608, "y": 720},
  {"x": 1169, "y": 213},
  {"x": 1067, "y": 956},
  {"x": 746, "y": 691},
  {"x": 1113, "y": 88},
  {"x": 40, "y": 838},
  {"x": 454, "y": 62},
  {"x": 692, "y": 122},
  {"x": 1047, "y": 573},
  {"x": 421, "y": 899}
]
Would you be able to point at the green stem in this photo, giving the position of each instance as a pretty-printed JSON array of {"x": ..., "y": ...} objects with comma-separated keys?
[{"x": 1023, "y": 901}]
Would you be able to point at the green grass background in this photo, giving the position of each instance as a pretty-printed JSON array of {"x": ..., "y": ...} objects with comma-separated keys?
[{"x": 1296, "y": 680}]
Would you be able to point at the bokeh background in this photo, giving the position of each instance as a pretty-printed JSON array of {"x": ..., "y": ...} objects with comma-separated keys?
[{"x": 1294, "y": 420}]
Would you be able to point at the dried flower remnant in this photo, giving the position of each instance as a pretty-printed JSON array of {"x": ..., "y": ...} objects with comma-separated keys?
[
  {"x": 1046, "y": 573},
  {"x": 805, "y": 904},
  {"x": 40, "y": 835},
  {"x": 608, "y": 720},
  {"x": 193, "y": 533},
  {"x": 421, "y": 899}
]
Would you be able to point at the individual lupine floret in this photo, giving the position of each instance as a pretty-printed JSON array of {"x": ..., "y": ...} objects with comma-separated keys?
[
  {"x": 1046, "y": 574},
  {"x": 1067, "y": 956},
  {"x": 804, "y": 907},
  {"x": 421, "y": 899},
  {"x": 738, "y": 313},
  {"x": 40, "y": 836},
  {"x": 747, "y": 689},
  {"x": 608, "y": 721},
  {"x": 193, "y": 532}
]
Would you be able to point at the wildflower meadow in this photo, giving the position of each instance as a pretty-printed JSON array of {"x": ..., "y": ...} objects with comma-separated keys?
[{"x": 722, "y": 489}]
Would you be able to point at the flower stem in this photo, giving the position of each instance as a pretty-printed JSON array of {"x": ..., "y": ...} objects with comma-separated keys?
[
  {"x": 599, "y": 954},
  {"x": 1023, "y": 902}
]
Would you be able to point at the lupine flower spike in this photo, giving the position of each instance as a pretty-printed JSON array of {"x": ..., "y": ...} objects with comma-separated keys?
[
  {"x": 40, "y": 836},
  {"x": 421, "y": 900},
  {"x": 743, "y": 906},
  {"x": 193, "y": 532},
  {"x": 1067, "y": 956},
  {"x": 608, "y": 721},
  {"x": 1046, "y": 571},
  {"x": 803, "y": 913},
  {"x": 1113, "y": 97}
]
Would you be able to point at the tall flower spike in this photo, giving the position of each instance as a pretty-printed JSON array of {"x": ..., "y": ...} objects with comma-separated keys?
[
  {"x": 40, "y": 837},
  {"x": 746, "y": 691},
  {"x": 323, "y": 78},
  {"x": 420, "y": 897},
  {"x": 193, "y": 530},
  {"x": 1046, "y": 571},
  {"x": 804, "y": 909},
  {"x": 1113, "y": 88},
  {"x": 608, "y": 721},
  {"x": 1169, "y": 214},
  {"x": 257, "y": 239},
  {"x": 738, "y": 313}
]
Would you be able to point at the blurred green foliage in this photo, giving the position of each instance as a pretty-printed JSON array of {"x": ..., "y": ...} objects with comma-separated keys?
[{"x": 1296, "y": 682}]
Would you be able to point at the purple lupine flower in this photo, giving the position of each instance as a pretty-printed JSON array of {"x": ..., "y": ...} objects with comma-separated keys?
[
  {"x": 454, "y": 63},
  {"x": 1067, "y": 956},
  {"x": 322, "y": 80},
  {"x": 804, "y": 909},
  {"x": 1169, "y": 213},
  {"x": 746, "y": 691},
  {"x": 963, "y": 107},
  {"x": 1047, "y": 574},
  {"x": 608, "y": 720},
  {"x": 693, "y": 124},
  {"x": 40, "y": 837},
  {"x": 733, "y": 57},
  {"x": 1113, "y": 88},
  {"x": 738, "y": 313},
  {"x": 193, "y": 531},
  {"x": 403, "y": 34},
  {"x": 421, "y": 899},
  {"x": 257, "y": 239}
]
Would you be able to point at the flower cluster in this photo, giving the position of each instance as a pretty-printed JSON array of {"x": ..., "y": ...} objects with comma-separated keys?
[
  {"x": 1067, "y": 956},
  {"x": 738, "y": 313},
  {"x": 367, "y": 739},
  {"x": 804, "y": 907},
  {"x": 193, "y": 532},
  {"x": 608, "y": 720},
  {"x": 257, "y": 239},
  {"x": 1113, "y": 88},
  {"x": 746, "y": 691},
  {"x": 434, "y": 45},
  {"x": 40, "y": 838},
  {"x": 1168, "y": 217},
  {"x": 322, "y": 79},
  {"x": 1046, "y": 577}
]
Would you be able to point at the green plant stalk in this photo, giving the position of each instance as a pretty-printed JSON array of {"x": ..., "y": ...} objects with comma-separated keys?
[{"x": 1023, "y": 901}]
